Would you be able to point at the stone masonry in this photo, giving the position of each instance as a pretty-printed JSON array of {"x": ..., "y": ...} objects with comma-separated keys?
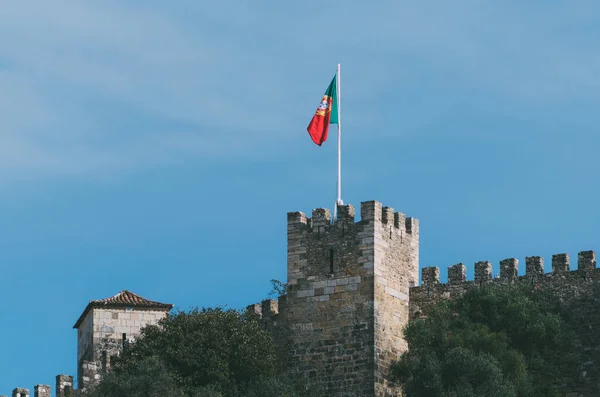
[
  {"x": 41, "y": 391},
  {"x": 19, "y": 392},
  {"x": 106, "y": 326},
  {"x": 352, "y": 288},
  {"x": 347, "y": 300},
  {"x": 64, "y": 386}
]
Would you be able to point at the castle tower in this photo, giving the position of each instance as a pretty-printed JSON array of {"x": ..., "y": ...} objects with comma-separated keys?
[
  {"x": 347, "y": 301},
  {"x": 105, "y": 327}
]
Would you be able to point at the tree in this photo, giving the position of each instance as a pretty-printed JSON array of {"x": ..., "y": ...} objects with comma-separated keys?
[
  {"x": 501, "y": 341},
  {"x": 201, "y": 353},
  {"x": 278, "y": 288}
]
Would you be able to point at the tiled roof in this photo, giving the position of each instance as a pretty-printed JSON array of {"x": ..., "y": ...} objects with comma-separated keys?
[{"x": 123, "y": 299}]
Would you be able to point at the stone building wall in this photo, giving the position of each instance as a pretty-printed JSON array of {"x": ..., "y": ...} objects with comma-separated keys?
[
  {"x": 329, "y": 305},
  {"x": 102, "y": 335},
  {"x": 396, "y": 270},
  {"x": 578, "y": 289},
  {"x": 347, "y": 285}
]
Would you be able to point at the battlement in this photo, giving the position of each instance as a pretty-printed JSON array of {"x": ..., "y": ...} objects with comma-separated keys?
[
  {"x": 268, "y": 308},
  {"x": 370, "y": 212},
  {"x": 534, "y": 269},
  {"x": 563, "y": 282},
  {"x": 320, "y": 248},
  {"x": 64, "y": 388}
]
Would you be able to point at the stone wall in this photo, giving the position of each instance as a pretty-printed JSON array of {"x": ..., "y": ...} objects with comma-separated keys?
[
  {"x": 19, "y": 392},
  {"x": 64, "y": 386},
  {"x": 578, "y": 289},
  {"x": 347, "y": 297},
  {"x": 102, "y": 335},
  {"x": 396, "y": 270},
  {"x": 41, "y": 391},
  {"x": 329, "y": 306}
]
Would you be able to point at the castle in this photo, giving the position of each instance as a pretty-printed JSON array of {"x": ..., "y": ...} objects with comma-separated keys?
[{"x": 352, "y": 287}]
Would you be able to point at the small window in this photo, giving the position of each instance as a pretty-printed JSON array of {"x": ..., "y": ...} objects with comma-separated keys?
[{"x": 331, "y": 260}]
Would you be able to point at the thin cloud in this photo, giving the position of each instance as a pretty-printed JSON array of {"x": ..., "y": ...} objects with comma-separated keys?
[{"x": 236, "y": 77}]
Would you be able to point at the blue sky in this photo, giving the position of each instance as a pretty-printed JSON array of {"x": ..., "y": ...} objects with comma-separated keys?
[{"x": 158, "y": 148}]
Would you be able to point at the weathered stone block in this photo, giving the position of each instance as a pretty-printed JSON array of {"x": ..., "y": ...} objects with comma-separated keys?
[
  {"x": 483, "y": 271},
  {"x": 20, "y": 392},
  {"x": 430, "y": 275},
  {"x": 457, "y": 273},
  {"x": 560, "y": 263},
  {"x": 41, "y": 391},
  {"x": 534, "y": 266},
  {"x": 509, "y": 269},
  {"x": 586, "y": 261}
]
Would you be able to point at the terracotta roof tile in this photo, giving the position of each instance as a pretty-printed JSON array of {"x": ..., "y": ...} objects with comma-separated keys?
[{"x": 123, "y": 299}]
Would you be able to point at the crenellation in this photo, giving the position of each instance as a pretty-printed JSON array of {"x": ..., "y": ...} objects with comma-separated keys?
[
  {"x": 457, "y": 273},
  {"x": 20, "y": 392},
  {"x": 534, "y": 267},
  {"x": 586, "y": 261},
  {"x": 412, "y": 226},
  {"x": 320, "y": 217},
  {"x": 296, "y": 217},
  {"x": 387, "y": 215},
  {"x": 430, "y": 275},
  {"x": 560, "y": 263},
  {"x": 345, "y": 214},
  {"x": 270, "y": 307},
  {"x": 254, "y": 309},
  {"x": 483, "y": 271},
  {"x": 509, "y": 269},
  {"x": 400, "y": 221},
  {"x": 64, "y": 385},
  {"x": 41, "y": 391},
  {"x": 370, "y": 211}
]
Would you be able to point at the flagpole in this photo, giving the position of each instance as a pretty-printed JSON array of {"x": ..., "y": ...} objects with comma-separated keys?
[{"x": 339, "y": 144}]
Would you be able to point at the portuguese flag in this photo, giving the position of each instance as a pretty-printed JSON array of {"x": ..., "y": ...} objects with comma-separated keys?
[{"x": 327, "y": 113}]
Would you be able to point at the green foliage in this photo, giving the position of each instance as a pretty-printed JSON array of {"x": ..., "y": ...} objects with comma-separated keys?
[
  {"x": 148, "y": 378},
  {"x": 201, "y": 353},
  {"x": 278, "y": 288},
  {"x": 505, "y": 342}
]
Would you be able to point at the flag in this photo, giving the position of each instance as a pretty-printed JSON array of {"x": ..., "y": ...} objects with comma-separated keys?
[{"x": 327, "y": 113}]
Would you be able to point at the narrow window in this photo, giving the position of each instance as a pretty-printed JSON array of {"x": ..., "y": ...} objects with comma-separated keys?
[
  {"x": 104, "y": 358},
  {"x": 124, "y": 340},
  {"x": 331, "y": 260}
]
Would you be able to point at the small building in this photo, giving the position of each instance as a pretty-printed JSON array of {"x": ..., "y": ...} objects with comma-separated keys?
[{"x": 106, "y": 326}]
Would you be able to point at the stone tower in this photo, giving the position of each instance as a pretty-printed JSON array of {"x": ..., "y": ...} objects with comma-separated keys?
[
  {"x": 347, "y": 300},
  {"x": 105, "y": 327}
]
